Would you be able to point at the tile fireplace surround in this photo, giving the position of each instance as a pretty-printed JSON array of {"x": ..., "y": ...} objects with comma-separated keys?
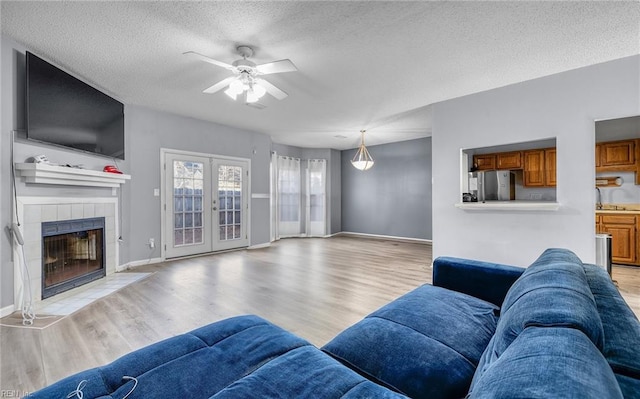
[{"x": 32, "y": 211}]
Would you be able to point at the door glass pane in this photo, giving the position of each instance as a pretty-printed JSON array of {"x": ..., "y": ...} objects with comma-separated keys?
[
  {"x": 188, "y": 236},
  {"x": 178, "y": 237},
  {"x": 188, "y": 183},
  {"x": 223, "y": 235},
  {"x": 178, "y": 220},
  {"x": 197, "y": 235},
  {"x": 230, "y": 200}
]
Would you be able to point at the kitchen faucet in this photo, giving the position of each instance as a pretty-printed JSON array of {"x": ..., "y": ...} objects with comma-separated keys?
[{"x": 599, "y": 199}]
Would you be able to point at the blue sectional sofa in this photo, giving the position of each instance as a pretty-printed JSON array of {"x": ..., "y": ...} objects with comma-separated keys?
[{"x": 557, "y": 329}]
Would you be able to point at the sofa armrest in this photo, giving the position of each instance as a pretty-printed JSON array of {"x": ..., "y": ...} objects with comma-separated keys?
[{"x": 484, "y": 280}]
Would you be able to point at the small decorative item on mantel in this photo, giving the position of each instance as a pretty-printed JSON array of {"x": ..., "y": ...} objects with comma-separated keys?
[{"x": 613, "y": 181}]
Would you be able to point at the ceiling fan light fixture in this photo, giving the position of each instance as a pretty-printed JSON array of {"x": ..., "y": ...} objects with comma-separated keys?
[
  {"x": 231, "y": 93},
  {"x": 236, "y": 86},
  {"x": 362, "y": 160},
  {"x": 259, "y": 90},
  {"x": 251, "y": 96}
]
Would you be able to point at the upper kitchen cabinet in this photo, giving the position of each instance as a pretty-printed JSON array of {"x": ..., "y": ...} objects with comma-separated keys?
[
  {"x": 534, "y": 168},
  {"x": 550, "y": 166},
  {"x": 484, "y": 162},
  {"x": 616, "y": 155},
  {"x": 499, "y": 161},
  {"x": 539, "y": 168},
  {"x": 509, "y": 160}
]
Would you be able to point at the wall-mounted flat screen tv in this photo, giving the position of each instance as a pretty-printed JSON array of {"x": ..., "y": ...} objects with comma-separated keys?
[{"x": 66, "y": 111}]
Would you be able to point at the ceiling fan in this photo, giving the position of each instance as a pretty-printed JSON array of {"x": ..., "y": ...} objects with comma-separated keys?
[{"x": 246, "y": 81}]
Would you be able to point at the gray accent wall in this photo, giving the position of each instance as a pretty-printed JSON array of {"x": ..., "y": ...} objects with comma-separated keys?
[
  {"x": 564, "y": 106},
  {"x": 393, "y": 198}
]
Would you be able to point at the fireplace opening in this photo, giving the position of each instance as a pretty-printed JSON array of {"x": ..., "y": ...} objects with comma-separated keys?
[{"x": 72, "y": 254}]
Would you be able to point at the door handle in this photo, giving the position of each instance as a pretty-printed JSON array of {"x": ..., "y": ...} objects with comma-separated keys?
[{"x": 215, "y": 209}]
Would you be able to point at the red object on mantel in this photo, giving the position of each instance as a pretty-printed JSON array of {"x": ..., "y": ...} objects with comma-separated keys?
[{"x": 111, "y": 169}]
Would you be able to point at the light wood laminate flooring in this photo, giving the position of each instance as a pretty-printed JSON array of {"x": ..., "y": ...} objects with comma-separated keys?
[{"x": 314, "y": 288}]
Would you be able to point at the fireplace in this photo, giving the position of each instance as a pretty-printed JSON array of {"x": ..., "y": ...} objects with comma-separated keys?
[{"x": 73, "y": 254}]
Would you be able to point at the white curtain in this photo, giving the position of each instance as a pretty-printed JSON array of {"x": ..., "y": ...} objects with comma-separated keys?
[
  {"x": 288, "y": 197},
  {"x": 273, "y": 200},
  {"x": 316, "y": 209}
]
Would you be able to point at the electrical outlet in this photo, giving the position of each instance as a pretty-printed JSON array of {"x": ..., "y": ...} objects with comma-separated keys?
[{"x": 152, "y": 243}]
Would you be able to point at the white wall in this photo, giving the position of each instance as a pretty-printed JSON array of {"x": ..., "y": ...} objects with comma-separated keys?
[{"x": 563, "y": 106}]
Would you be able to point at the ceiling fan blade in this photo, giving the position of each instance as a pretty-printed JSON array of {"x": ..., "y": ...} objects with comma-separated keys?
[
  {"x": 219, "y": 86},
  {"x": 210, "y": 60},
  {"x": 271, "y": 89},
  {"x": 277, "y": 67}
]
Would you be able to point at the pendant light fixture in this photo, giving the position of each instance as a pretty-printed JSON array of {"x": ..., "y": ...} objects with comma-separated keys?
[{"x": 362, "y": 160}]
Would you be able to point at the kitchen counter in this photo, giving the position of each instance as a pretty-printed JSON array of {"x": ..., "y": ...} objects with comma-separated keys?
[
  {"x": 619, "y": 208},
  {"x": 509, "y": 206},
  {"x": 630, "y": 211}
]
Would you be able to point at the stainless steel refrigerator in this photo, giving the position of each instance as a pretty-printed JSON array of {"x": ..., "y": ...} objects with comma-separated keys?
[{"x": 493, "y": 185}]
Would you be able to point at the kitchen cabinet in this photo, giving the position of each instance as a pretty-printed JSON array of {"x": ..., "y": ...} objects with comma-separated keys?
[
  {"x": 533, "y": 168},
  {"x": 484, "y": 162},
  {"x": 550, "y": 167},
  {"x": 637, "y": 161},
  {"x": 616, "y": 155},
  {"x": 539, "y": 167},
  {"x": 509, "y": 160},
  {"x": 623, "y": 228}
]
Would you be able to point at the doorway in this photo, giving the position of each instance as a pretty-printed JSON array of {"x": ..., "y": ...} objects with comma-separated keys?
[
  {"x": 617, "y": 186},
  {"x": 205, "y": 203}
]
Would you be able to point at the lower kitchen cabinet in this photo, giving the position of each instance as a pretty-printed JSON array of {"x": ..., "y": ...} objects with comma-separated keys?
[{"x": 623, "y": 228}]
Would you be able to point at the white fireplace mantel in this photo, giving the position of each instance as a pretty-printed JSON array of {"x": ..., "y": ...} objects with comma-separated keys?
[{"x": 39, "y": 173}]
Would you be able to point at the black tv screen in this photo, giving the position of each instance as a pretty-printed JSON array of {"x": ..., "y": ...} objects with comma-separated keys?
[{"x": 63, "y": 110}]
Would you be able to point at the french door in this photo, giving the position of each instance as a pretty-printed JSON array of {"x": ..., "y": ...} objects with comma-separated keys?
[{"x": 205, "y": 204}]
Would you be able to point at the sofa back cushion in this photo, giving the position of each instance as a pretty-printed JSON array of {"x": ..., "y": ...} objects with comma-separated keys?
[
  {"x": 621, "y": 331},
  {"x": 548, "y": 363},
  {"x": 552, "y": 292},
  {"x": 425, "y": 344}
]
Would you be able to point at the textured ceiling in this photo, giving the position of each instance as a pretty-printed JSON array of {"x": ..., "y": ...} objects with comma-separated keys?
[{"x": 362, "y": 65}]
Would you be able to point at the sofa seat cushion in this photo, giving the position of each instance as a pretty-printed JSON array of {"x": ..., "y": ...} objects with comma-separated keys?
[
  {"x": 304, "y": 373},
  {"x": 553, "y": 291},
  {"x": 212, "y": 358},
  {"x": 621, "y": 331},
  {"x": 425, "y": 344},
  {"x": 547, "y": 362}
]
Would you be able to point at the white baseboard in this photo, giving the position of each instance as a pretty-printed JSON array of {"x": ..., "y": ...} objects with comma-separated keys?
[
  {"x": 258, "y": 246},
  {"x": 378, "y": 236},
  {"x": 7, "y": 310},
  {"x": 137, "y": 263}
]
